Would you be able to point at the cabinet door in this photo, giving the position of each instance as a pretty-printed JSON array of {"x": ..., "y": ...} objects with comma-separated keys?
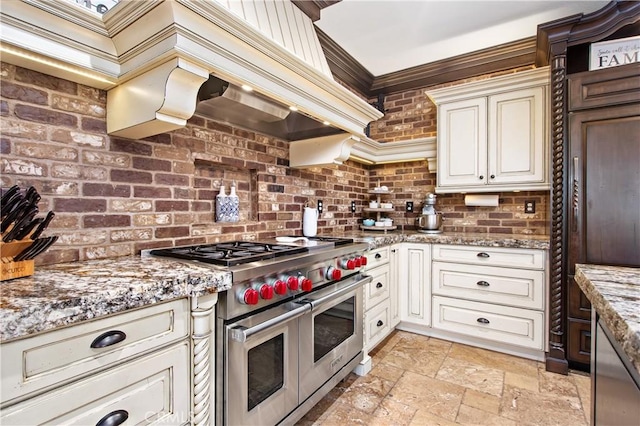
[
  {"x": 415, "y": 281},
  {"x": 516, "y": 139},
  {"x": 462, "y": 143},
  {"x": 394, "y": 299}
]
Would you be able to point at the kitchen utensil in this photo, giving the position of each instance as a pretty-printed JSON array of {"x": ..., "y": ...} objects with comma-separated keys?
[
  {"x": 430, "y": 222},
  {"x": 291, "y": 239},
  {"x": 8, "y": 194},
  {"x": 23, "y": 220},
  {"x": 26, "y": 230},
  {"x": 37, "y": 247},
  {"x": 11, "y": 203},
  {"x": 32, "y": 195},
  {"x": 380, "y": 223},
  {"x": 43, "y": 225},
  {"x": 14, "y": 215},
  {"x": 373, "y": 205}
]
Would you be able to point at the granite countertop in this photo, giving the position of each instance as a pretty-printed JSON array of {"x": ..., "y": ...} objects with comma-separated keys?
[
  {"x": 68, "y": 293},
  {"x": 614, "y": 292},
  {"x": 65, "y": 294}
]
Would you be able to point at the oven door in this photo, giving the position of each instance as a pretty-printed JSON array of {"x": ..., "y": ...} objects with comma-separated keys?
[
  {"x": 332, "y": 334},
  {"x": 261, "y": 366}
]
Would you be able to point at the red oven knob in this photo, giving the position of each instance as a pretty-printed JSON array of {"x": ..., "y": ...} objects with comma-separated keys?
[
  {"x": 292, "y": 283},
  {"x": 348, "y": 264},
  {"x": 305, "y": 283},
  {"x": 249, "y": 297},
  {"x": 333, "y": 273},
  {"x": 280, "y": 287},
  {"x": 266, "y": 291},
  {"x": 358, "y": 261},
  {"x": 363, "y": 260}
]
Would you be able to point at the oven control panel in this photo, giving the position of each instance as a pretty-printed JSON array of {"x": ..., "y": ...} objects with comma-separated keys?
[{"x": 263, "y": 291}]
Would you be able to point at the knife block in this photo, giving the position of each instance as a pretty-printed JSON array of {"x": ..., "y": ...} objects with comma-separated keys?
[{"x": 10, "y": 269}]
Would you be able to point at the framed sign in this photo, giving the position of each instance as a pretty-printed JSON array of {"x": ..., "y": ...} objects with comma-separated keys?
[{"x": 614, "y": 53}]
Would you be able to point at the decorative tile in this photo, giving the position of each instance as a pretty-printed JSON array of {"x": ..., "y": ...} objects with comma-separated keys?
[
  {"x": 473, "y": 416},
  {"x": 556, "y": 384},
  {"x": 521, "y": 381},
  {"x": 495, "y": 360},
  {"x": 422, "y": 357},
  {"x": 473, "y": 376},
  {"x": 391, "y": 412},
  {"x": 366, "y": 393},
  {"x": 387, "y": 371}
]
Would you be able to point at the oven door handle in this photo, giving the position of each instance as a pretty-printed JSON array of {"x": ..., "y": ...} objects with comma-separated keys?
[
  {"x": 331, "y": 297},
  {"x": 242, "y": 334}
]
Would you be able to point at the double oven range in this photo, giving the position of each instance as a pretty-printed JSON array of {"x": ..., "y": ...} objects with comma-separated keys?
[{"x": 290, "y": 327}]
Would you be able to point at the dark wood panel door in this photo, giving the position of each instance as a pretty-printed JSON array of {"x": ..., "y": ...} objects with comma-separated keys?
[{"x": 604, "y": 205}]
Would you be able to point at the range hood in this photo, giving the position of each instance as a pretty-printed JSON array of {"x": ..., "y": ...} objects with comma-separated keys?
[
  {"x": 153, "y": 57},
  {"x": 228, "y": 103}
]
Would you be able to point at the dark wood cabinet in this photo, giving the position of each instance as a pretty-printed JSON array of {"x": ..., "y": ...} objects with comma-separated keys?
[{"x": 603, "y": 186}]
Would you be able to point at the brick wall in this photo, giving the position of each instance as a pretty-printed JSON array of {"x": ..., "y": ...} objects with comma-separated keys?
[
  {"x": 412, "y": 115},
  {"x": 115, "y": 196}
]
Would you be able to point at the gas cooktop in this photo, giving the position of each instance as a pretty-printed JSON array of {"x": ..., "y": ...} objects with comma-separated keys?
[{"x": 234, "y": 253}]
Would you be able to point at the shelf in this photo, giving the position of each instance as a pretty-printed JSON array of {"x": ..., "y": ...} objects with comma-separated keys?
[
  {"x": 378, "y": 228},
  {"x": 380, "y": 210},
  {"x": 380, "y": 192}
]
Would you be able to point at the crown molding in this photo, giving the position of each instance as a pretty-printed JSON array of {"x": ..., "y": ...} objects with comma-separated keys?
[
  {"x": 486, "y": 61},
  {"x": 312, "y": 8}
]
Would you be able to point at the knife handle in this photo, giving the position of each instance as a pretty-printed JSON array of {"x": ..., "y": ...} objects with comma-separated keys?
[{"x": 43, "y": 225}]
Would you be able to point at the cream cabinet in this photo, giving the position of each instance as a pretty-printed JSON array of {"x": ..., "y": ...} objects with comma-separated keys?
[
  {"x": 492, "y": 134},
  {"x": 497, "y": 295},
  {"x": 380, "y": 296},
  {"x": 414, "y": 285},
  {"x": 134, "y": 365}
]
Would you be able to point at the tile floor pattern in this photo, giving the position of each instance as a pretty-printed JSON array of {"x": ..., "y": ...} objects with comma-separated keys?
[{"x": 418, "y": 380}]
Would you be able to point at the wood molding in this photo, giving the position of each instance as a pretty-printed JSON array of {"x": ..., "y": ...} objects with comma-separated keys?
[
  {"x": 498, "y": 58},
  {"x": 343, "y": 66},
  {"x": 312, "y": 8}
]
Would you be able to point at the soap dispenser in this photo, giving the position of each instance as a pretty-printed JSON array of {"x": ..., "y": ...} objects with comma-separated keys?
[
  {"x": 222, "y": 210},
  {"x": 234, "y": 204}
]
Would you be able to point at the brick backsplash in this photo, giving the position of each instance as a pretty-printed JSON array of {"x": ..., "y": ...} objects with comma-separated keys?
[{"x": 114, "y": 196}]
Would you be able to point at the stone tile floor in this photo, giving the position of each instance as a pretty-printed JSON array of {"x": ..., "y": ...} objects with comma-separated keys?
[{"x": 417, "y": 380}]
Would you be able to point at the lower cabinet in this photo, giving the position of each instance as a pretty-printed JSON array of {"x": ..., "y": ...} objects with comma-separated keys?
[
  {"x": 380, "y": 315},
  {"x": 136, "y": 366},
  {"x": 414, "y": 280}
]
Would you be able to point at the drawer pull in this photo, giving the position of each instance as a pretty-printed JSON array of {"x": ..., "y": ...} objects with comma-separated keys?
[
  {"x": 483, "y": 255},
  {"x": 114, "y": 418},
  {"x": 483, "y": 320},
  {"x": 378, "y": 256},
  {"x": 483, "y": 283},
  {"x": 379, "y": 285},
  {"x": 379, "y": 323},
  {"x": 108, "y": 338}
]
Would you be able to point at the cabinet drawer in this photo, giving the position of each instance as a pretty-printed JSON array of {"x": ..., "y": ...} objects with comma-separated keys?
[
  {"x": 153, "y": 389},
  {"x": 378, "y": 289},
  {"x": 36, "y": 363},
  {"x": 377, "y": 325},
  {"x": 522, "y": 288},
  {"x": 490, "y": 256},
  {"x": 377, "y": 257},
  {"x": 503, "y": 324}
]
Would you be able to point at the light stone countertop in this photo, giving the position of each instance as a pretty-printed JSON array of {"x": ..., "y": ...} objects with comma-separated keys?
[
  {"x": 65, "y": 294},
  {"x": 68, "y": 293},
  {"x": 614, "y": 292}
]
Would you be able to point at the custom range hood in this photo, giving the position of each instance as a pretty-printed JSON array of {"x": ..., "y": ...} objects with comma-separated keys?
[{"x": 154, "y": 56}]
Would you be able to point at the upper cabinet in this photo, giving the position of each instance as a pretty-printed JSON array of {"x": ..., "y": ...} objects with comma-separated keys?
[{"x": 492, "y": 134}]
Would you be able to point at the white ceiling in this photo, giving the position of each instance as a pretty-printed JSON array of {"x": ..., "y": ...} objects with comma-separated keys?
[{"x": 392, "y": 35}]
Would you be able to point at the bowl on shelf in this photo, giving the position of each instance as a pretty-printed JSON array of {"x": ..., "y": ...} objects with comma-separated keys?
[
  {"x": 381, "y": 223},
  {"x": 386, "y": 205},
  {"x": 373, "y": 205},
  {"x": 368, "y": 222}
]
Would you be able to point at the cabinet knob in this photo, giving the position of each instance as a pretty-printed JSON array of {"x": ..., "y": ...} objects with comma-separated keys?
[
  {"x": 492, "y": 176},
  {"x": 378, "y": 256},
  {"x": 481, "y": 177},
  {"x": 114, "y": 418},
  {"x": 379, "y": 323},
  {"x": 379, "y": 285},
  {"x": 108, "y": 338},
  {"x": 483, "y": 255},
  {"x": 483, "y": 320},
  {"x": 483, "y": 283}
]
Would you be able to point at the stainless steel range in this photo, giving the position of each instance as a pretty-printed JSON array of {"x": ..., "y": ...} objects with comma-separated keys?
[{"x": 289, "y": 328}]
